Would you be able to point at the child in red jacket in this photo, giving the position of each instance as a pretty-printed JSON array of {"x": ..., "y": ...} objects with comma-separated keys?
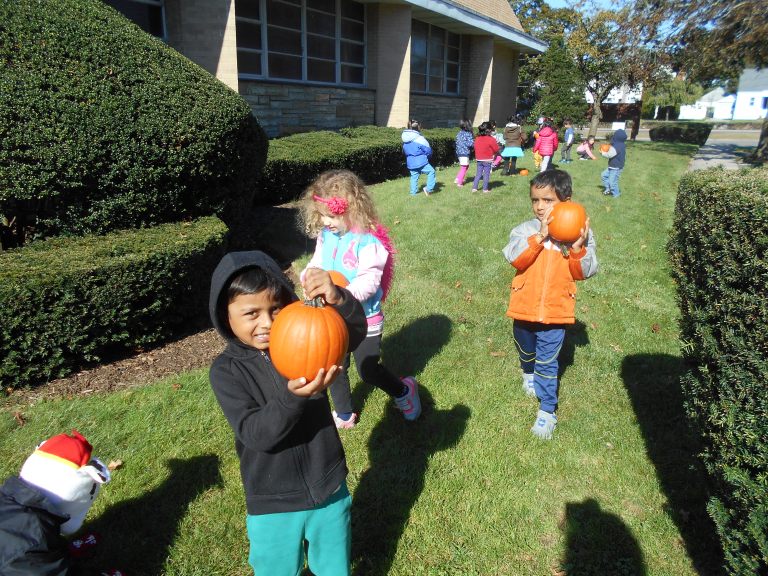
[
  {"x": 486, "y": 148},
  {"x": 546, "y": 144}
]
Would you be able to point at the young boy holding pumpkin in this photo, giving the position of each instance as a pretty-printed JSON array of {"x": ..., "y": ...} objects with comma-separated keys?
[
  {"x": 543, "y": 296},
  {"x": 292, "y": 462}
]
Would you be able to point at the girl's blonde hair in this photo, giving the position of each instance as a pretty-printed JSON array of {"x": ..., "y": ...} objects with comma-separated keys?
[{"x": 343, "y": 184}]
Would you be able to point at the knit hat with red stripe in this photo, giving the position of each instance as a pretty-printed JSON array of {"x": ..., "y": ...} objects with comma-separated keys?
[{"x": 62, "y": 468}]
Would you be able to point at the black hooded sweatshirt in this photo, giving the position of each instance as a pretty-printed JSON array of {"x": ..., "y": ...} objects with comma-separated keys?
[
  {"x": 291, "y": 457},
  {"x": 619, "y": 143}
]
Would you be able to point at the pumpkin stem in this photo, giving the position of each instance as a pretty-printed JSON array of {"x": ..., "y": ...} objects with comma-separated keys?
[{"x": 318, "y": 302}]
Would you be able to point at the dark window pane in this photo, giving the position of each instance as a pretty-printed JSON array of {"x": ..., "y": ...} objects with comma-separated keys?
[
  {"x": 418, "y": 83},
  {"x": 436, "y": 68},
  {"x": 352, "y": 30},
  {"x": 247, "y": 9},
  {"x": 320, "y": 47},
  {"x": 453, "y": 54},
  {"x": 148, "y": 18},
  {"x": 248, "y": 35},
  {"x": 353, "y": 10},
  {"x": 453, "y": 39},
  {"x": 248, "y": 62},
  {"x": 284, "y": 67},
  {"x": 321, "y": 70},
  {"x": 452, "y": 70},
  {"x": 281, "y": 14},
  {"x": 352, "y": 53},
  {"x": 285, "y": 41},
  {"x": 419, "y": 64},
  {"x": 352, "y": 74},
  {"x": 320, "y": 23},
  {"x": 435, "y": 84},
  {"x": 324, "y": 5},
  {"x": 452, "y": 86}
]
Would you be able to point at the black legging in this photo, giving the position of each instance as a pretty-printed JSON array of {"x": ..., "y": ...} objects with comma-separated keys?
[{"x": 371, "y": 371}]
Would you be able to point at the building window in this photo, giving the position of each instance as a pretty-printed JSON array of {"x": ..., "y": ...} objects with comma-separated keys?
[
  {"x": 301, "y": 40},
  {"x": 751, "y": 101},
  {"x": 147, "y": 14},
  {"x": 765, "y": 102},
  {"x": 435, "y": 56}
]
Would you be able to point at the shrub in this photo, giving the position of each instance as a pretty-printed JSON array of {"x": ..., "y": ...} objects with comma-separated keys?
[
  {"x": 68, "y": 301},
  {"x": 375, "y": 154},
  {"x": 718, "y": 251},
  {"x": 686, "y": 132},
  {"x": 105, "y": 127}
]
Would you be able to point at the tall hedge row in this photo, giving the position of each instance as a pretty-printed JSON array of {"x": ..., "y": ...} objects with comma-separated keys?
[
  {"x": 104, "y": 127},
  {"x": 374, "y": 154},
  {"x": 69, "y": 301},
  {"x": 719, "y": 253}
]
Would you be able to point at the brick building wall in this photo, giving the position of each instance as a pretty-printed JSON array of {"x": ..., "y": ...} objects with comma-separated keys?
[
  {"x": 389, "y": 62},
  {"x": 438, "y": 111},
  {"x": 284, "y": 109},
  {"x": 504, "y": 89},
  {"x": 479, "y": 77}
]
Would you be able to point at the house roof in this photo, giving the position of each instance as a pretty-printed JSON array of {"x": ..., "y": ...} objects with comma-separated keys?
[
  {"x": 716, "y": 95},
  {"x": 753, "y": 80},
  {"x": 480, "y": 17}
]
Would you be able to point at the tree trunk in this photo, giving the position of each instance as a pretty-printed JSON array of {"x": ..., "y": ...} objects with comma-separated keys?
[
  {"x": 761, "y": 154},
  {"x": 597, "y": 114}
]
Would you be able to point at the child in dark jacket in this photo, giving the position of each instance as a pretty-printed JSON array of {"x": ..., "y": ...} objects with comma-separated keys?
[
  {"x": 292, "y": 462},
  {"x": 616, "y": 157}
]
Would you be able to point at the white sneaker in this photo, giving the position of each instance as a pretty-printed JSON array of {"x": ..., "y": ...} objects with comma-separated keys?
[
  {"x": 528, "y": 387},
  {"x": 544, "y": 425}
]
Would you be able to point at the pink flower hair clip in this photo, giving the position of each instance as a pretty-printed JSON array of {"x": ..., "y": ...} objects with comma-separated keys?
[{"x": 336, "y": 205}]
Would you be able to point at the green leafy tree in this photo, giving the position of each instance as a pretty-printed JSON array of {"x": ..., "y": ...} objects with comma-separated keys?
[
  {"x": 562, "y": 86},
  {"x": 670, "y": 94}
]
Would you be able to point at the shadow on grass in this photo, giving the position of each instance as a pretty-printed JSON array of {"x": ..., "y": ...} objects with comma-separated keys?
[
  {"x": 575, "y": 337},
  {"x": 679, "y": 148},
  {"x": 653, "y": 383},
  {"x": 136, "y": 534},
  {"x": 599, "y": 543},
  {"x": 408, "y": 350},
  {"x": 399, "y": 453}
]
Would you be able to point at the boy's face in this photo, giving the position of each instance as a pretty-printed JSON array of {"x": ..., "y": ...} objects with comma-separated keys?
[
  {"x": 542, "y": 200},
  {"x": 251, "y": 316}
]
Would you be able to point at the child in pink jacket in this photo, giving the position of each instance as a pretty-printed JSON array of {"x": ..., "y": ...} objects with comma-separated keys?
[{"x": 546, "y": 144}]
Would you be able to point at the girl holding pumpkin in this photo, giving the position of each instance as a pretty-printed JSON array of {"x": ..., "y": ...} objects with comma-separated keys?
[
  {"x": 350, "y": 239},
  {"x": 543, "y": 296},
  {"x": 292, "y": 462}
]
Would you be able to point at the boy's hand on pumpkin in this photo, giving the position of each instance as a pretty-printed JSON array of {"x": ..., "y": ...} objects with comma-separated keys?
[
  {"x": 300, "y": 386},
  {"x": 582, "y": 239},
  {"x": 317, "y": 282}
]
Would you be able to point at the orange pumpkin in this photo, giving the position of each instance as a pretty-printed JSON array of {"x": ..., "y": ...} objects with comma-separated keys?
[
  {"x": 339, "y": 279},
  {"x": 605, "y": 148},
  {"x": 305, "y": 337},
  {"x": 568, "y": 218},
  {"x": 524, "y": 172}
]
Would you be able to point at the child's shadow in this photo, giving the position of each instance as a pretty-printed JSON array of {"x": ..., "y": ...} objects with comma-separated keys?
[
  {"x": 575, "y": 336},
  {"x": 399, "y": 452},
  {"x": 408, "y": 350},
  {"x": 136, "y": 534}
]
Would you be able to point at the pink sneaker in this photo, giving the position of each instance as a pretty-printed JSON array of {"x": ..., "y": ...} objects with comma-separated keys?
[
  {"x": 410, "y": 403},
  {"x": 344, "y": 424}
]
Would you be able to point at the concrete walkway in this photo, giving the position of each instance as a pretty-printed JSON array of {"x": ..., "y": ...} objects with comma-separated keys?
[{"x": 726, "y": 148}]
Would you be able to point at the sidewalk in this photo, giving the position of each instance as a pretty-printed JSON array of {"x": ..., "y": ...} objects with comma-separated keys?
[{"x": 726, "y": 148}]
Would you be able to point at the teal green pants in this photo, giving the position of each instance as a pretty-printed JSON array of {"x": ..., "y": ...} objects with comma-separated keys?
[{"x": 277, "y": 540}]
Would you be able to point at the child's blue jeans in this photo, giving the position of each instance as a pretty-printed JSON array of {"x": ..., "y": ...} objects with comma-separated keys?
[
  {"x": 539, "y": 347},
  {"x": 277, "y": 540},
  {"x": 610, "y": 177},
  {"x": 416, "y": 172}
]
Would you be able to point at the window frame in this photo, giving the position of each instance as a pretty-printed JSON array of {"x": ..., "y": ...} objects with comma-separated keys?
[
  {"x": 157, "y": 4},
  {"x": 306, "y": 10},
  {"x": 430, "y": 58}
]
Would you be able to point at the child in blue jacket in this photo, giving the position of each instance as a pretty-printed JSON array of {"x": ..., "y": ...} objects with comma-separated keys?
[{"x": 417, "y": 152}]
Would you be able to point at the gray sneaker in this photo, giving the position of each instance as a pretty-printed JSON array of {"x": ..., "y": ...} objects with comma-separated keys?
[{"x": 544, "y": 425}]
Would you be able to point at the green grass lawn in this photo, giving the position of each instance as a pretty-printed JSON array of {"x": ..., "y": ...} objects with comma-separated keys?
[{"x": 466, "y": 490}]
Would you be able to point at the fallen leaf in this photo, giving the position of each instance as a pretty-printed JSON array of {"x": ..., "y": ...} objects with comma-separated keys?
[
  {"x": 593, "y": 325},
  {"x": 616, "y": 348},
  {"x": 655, "y": 328},
  {"x": 176, "y": 386},
  {"x": 396, "y": 222},
  {"x": 499, "y": 354},
  {"x": 643, "y": 246},
  {"x": 458, "y": 284},
  {"x": 114, "y": 465},
  {"x": 19, "y": 418},
  {"x": 468, "y": 296},
  {"x": 609, "y": 445}
]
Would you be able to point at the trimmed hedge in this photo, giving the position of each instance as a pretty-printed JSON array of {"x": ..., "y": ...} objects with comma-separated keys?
[
  {"x": 686, "y": 132},
  {"x": 69, "y": 301},
  {"x": 719, "y": 253},
  {"x": 105, "y": 127},
  {"x": 375, "y": 154}
]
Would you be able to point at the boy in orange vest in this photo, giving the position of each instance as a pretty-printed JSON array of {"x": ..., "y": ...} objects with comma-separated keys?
[{"x": 543, "y": 297}]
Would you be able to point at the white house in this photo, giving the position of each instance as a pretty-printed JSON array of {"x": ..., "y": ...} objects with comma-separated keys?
[
  {"x": 715, "y": 104},
  {"x": 752, "y": 96}
]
